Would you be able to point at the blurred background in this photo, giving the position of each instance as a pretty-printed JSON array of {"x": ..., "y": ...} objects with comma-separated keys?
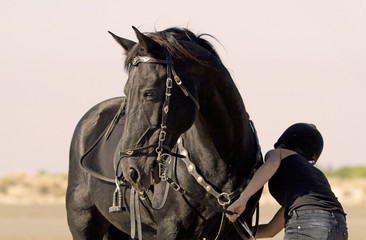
[{"x": 293, "y": 61}]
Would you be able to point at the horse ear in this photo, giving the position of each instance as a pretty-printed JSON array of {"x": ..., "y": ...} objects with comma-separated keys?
[
  {"x": 125, "y": 43},
  {"x": 149, "y": 45}
]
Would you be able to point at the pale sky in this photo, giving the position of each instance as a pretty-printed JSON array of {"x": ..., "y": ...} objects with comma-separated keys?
[{"x": 293, "y": 61}]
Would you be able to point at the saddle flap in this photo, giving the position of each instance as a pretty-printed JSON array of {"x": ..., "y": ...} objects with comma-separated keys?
[{"x": 99, "y": 161}]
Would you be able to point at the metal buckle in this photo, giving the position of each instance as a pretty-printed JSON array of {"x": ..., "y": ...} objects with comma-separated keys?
[
  {"x": 175, "y": 186},
  {"x": 162, "y": 136},
  {"x": 226, "y": 196},
  {"x": 130, "y": 152},
  {"x": 144, "y": 59},
  {"x": 177, "y": 80},
  {"x": 169, "y": 83},
  {"x": 135, "y": 61},
  {"x": 162, "y": 171}
]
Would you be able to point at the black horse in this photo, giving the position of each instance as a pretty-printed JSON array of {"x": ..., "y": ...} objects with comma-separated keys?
[{"x": 181, "y": 104}]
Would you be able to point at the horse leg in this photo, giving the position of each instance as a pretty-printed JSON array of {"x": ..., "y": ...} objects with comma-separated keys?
[
  {"x": 169, "y": 230},
  {"x": 84, "y": 219},
  {"x": 114, "y": 233}
]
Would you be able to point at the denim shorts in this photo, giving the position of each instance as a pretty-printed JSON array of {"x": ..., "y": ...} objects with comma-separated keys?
[{"x": 316, "y": 224}]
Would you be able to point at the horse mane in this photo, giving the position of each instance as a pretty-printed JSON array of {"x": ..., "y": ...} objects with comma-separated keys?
[
  {"x": 183, "y": 44},
  {"x": 172, "y": 39}
]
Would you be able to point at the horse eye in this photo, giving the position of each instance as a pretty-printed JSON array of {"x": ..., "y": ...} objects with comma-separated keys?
[{"x": 149, "y": 93}]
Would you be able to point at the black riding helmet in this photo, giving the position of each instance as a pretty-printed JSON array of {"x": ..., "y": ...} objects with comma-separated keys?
[{"x": 303, "y": 138}]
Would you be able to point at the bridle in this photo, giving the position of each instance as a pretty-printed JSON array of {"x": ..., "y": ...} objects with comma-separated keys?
[
  {"x": 160, "y": 146},
  {"x": 164, "y": 152}
]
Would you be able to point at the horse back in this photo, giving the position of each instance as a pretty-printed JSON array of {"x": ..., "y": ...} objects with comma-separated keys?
[{"x": 91, "y": 126}]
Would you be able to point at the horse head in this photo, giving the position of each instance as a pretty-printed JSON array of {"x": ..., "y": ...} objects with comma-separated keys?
[{"x": 161, "y": 103}]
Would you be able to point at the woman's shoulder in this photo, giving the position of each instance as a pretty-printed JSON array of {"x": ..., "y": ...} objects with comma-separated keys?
[{"x": 279, "y": 153}]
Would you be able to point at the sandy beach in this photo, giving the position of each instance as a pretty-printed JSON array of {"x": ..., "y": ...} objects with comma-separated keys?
[
  {"x": 32, "y": 206},
  {"x": 49, "y": 222}
]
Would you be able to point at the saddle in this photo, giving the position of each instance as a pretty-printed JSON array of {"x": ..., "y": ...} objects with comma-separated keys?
[{"x": 100, "y": 159}]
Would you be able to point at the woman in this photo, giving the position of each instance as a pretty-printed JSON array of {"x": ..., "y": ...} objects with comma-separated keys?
[{"x": 309, "y": 208}]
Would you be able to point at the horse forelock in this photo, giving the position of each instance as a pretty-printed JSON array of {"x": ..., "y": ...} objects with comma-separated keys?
[{"x": 175, "y": 41}]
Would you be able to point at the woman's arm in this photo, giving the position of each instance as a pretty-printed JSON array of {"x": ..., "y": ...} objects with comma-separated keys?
[
  {"x": 261, "y": 176},
  {"x": 273, "y": 227}
]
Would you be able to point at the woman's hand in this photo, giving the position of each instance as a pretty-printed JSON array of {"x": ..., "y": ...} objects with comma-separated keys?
[
  {"x": 237, "y": 208},
  {"x": 261, "y": 176}
]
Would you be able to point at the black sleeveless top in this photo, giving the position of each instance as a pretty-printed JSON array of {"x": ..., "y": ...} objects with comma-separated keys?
[{"x": 298, "y": 185}]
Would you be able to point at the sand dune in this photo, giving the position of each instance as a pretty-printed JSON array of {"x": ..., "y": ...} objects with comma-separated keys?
[{"x": 26, "y": 188}]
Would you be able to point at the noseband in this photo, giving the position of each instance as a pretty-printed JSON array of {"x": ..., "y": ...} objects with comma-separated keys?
[{"x": 160, "y": 146}]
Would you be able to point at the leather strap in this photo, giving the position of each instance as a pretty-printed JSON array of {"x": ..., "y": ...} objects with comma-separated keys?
[
  {"x": 115, "y": 119},
  {"x": 135, "y": 217},
  {"x": 132, "y": 213},
  {"x": 138, "y": 216},
  {"x": 239, "y": 225}
]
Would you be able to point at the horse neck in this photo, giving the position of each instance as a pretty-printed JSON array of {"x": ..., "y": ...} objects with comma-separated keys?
[
  {"x": 219, "y": 136},
  {"x": 225, "y": 117}
]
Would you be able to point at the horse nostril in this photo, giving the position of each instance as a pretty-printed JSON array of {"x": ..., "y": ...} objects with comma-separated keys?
[{"x": 134, "y": 175}]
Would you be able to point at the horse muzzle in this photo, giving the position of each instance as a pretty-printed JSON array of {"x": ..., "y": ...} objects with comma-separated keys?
[{"x": 141, "y": 172}]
